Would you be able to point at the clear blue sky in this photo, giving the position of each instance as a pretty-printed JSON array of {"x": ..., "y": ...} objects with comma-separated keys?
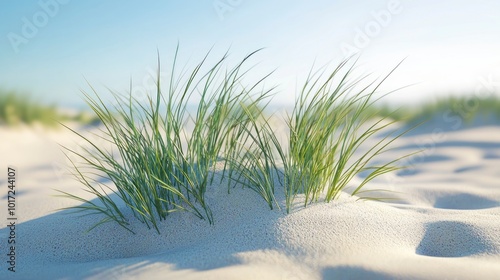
[{"x": 49, "y": 47}]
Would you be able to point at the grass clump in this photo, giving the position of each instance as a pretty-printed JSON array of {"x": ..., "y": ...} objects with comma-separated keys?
[
  {"x": 326, "y": 129},
  {"x": 159, "y": 167},
  {"x": 18, "y": 108}
]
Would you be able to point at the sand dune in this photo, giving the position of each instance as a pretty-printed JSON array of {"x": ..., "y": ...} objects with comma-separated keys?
[{"x": 444, "y": 222}]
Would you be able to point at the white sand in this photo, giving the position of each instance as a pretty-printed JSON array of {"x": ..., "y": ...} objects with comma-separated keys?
[{"x": 445, "y": 223}]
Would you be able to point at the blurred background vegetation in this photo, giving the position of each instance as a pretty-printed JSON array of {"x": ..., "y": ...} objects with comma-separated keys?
[
  {"x": 21, "y": 108},
  {"x": 467, "y": 108}
]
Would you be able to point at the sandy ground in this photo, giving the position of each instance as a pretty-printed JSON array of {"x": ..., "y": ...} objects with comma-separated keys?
[{"x": 443, "y": 224}]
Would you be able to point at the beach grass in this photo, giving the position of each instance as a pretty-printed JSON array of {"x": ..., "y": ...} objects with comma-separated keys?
[
  {"x": 464, "y": 107},
  {"x": 327, "y": 127},
  {"x": 159, "y": 167},
  {"x": 162, "y": 168},
  {"x": 17, "y": 108}
]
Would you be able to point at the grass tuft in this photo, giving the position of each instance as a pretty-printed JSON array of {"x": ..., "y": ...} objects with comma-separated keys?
[
  {"x": 326, "y": 128},
  {"x": 159, "y": 167},
  {"x": 18, "y": 108}
]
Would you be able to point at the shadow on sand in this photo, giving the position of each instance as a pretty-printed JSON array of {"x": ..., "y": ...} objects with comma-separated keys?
[{"x": 57, "y": 242}]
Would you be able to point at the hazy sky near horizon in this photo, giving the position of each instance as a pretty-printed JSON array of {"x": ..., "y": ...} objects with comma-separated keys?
[{"x": 49, "y": 48}]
